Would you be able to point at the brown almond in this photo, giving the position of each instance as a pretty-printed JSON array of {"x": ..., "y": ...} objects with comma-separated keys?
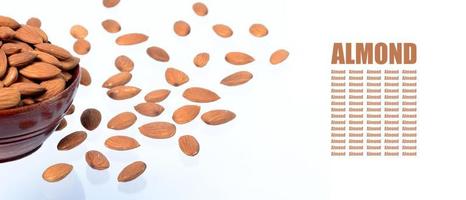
[
  {"x": 34, "y": 21},
  {"x": 54, "y": 50},
  {"x": 40, "y": 32},
  {"x": 6, "y": 33},
  {"x": 217, "y": 117},
  {"x": 122, "y": 121},
  {"x": 111, "y": 26},
  {"x": 158, "y": 54},
  {"x": 9, "y": 97},
  {"x": 27, "y": 101},
  {"x": 57, "y": 172},
  {"x": 200, "y": 95},
  {"x": 82, "y": 46},
  {"x": 45, "y": 57},
  {"x": 121, "y": 143},
  {"x": 40, "y": 71},
  {"x": 69, "y": 64},
  {"x": 117, "y": 80},
  {"x": 10, "y": 48},
  {"x": 66, "y": 76},
  {"x": 9, "y": 22},
  {"x": 90, "y": 118},
  {"x": 186, "y": 114},
  {"x": 279, "y": 56},
  {"x": 200, "y": 9},
  {"x": 149, "y": 109},
  {"x": 72, "y": 140},
  {"x": 97, "y": 160},
  {"x": 131, "y": 39},
  {"x": 176, "y": 77},
  {"x": 238, "y": 58},
  {"x": 124, "y": 63},
  {"x": 158, "y": 130},
  {"x": 222, "y": 30},
  {"x": 132, "y": 171},
  {"x": 23, "y": 46},
  {"x": 63, "y": 123},
  {"x": 86, "y": 79},
  {"x": 10, "y": 77},
  {"x": 123, "y": 92},
  {"x": 79, "y": 32},
  {"x": 181, "y": 28},
  {"x": 188, "y": 145},
  {"x": 21, "y": 59},
  {"x": 110, "y": 3},
  {"x": 52, "y": 87},
  {"x": 237, "y": 78},
  {"x": 70, "y": 110},
  {"x": 258, "y": 30},
  {"x": 3, "y": 63},
  {"x": 28, "y": 35},
  {"x": 201, "y": 59},
  {"x": 28, "y": 89},
  {"x": 22, "y": 79},
  {"x": 157, "y": 95}
]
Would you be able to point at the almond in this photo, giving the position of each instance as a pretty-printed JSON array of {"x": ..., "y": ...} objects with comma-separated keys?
[
  {"x": 238, "y": 58},
  {"x": 79, "y": 32},
  {"x": 90, "y": 118},
  {"x": 57, "y": 172},
  {"x": 132, "y": 171},
  {"x": 23, "y": 79},
  {"x": 123, "y": 92},
  {"x": 86, "y": 79},
  {"x": 33, "y": 21},
  {"x": 72, "y": 140},
  {"x": 63, "y": 123},
  {"x": 158, "y": 54},
  {"x": 70, "y": 110},
  {"x": 40, "y": 71},
  {"x": 201, "y": 59},
  {"x": 258, "y": 30},
  {"x": 23, "y": 46},
  {"x": 110, "y": 3},
  {"x": 176, "y": 77},
  {"x": 53, "y": 87},
  {"x": 9, "y": 22},
  {"x": 124, "y": 64},
  {"x": 279, "y": 56},
  {"x": 21, "y": 59},
  {"x": 111, "y": 26},
  {"x": 97, "y": 160},
  {"x": 181, "y": 28},
  {"x": 28, "y": 89},
  {"x": 45, "y": 57},
  {"x": 121, "y": 143},
  {"x": 11, "y": 48},
  {"x": 122, "y": 121},
  {"x": 200, "y": 9},
  {"x": 40, "y": 32},
  {"x": 6, "y": 33},
  {"x": 3, "y": 63},
  {"x": 158, "y": 130},
  {"x": 237, "y": 78},
  {"x": 82, "y": 46},
  {"x": 54, "y": 50},
  {"x": 27, "y": 101},
  {"x": 10, "y": 77},
  {"x": 9, "y": 97},
  {"x": 200, "y": 95},
  {"x": 217, "y": 117},
  {"x": 131, "y": 39},
  {"x": 186, "y": 114},
  {"x": 149, "y": 109},
  {"x": 157, "y": 95},
  {"x": 189, "y": 145},
  {"x": 69, "y": 64},
  {"x": 117, "y": 80},
  {"x": 66, "y": 76},
  {"x": 222, "y": 30},
  {"x": 28, "y": 35}
]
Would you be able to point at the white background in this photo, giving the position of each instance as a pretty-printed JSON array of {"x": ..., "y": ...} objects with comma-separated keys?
[{"x": 278, "y": 146}]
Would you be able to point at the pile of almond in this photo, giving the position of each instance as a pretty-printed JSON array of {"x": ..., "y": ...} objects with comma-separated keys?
[{"x": 31, "y": 68}]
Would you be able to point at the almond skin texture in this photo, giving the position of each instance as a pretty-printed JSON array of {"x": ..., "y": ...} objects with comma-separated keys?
[
  {"x": 122, "y": 121},
  {"x": 62, "y": 125},
  {"x": 158, "y": 130},
  {"x": 21, "y": 59},
  {"x": 3, "y": 63},
  {"x": 132, "y": 171},
  {"x": 72, "y": 140},
  {"x": 90, "y": 118},
  {"x": 149, "y": 109},
  {"x": 86, "y": 79},
  {"x": 117, "y": 80},
  {"x": 70, "y": 110},
  {"x": 111, "y": 26},
  {"x": 110, "y": 3},
  {"x": 258, "y": 30},
  {"x": 54, "y": 50},
  {"x": 82, "y": 47},
  {"x": 121, "y": 143},
  {"x": 188, "y": 145},
  {"x": 124, "y": 63},
  {"x": 40, "y": 71},
  {"x": 45, "y": 57},
  {"x": 186, "y": 114},
  {"x": 176, "y": 77},
  {"x": 57, "y": 172},
  {"x": 33, "y": 21},
  {"x": 10, "y": 77},
  {"x": 131, "y": 39},
  {"x": 123, "y": 92},
  {"x": 9, "y": 22},
  {"x": 238, "y": 58},
  {"x": 6, "y": 33},
  {"x": 97, "y": 160},
  {"x": 217, "y": 117},
  {"x": 28, "y": 89},
  {"x": 200, "y": 9},
  {"x": 279, "y": 56},
  {"x": 28, "y": 35},
  {"x": 237, "y": 78},
  {"x": 9, "y": 97},
  {"x": 158, "y": 54},
  {"x": 157, "y": 95},
  {"x": 201, "y": 60},
  {"x": 181, "y": 28},
  {"x": 200, "y": 95},
  {"x": 79, "y": 32},
  {"x": 52, "y": 87},
  {"x": 222, "y": 30},
  {"x": 11, "y": 48},
  {"x": 69, "y": 64}
]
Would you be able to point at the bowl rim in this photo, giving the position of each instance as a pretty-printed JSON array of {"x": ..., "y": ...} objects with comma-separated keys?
[{"x": 76, "y": 75}]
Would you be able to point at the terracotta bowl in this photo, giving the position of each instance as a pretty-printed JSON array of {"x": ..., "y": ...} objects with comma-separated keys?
[{"x": 24, "y": 129}]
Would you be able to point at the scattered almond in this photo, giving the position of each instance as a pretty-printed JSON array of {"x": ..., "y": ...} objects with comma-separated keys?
[
  {"x": 149, "y": 109},
  {"x": 279, "y": 56},
  {"x": 82, "y": 46},
  {"x": 111, "y": 26},
  {"x": 158, "y": 54},
  {"x": 97, "y": 160},
  {"x": 158, "y": 130},
  {"x": 57, "y": 172},
  {"x": 33, "y": 21},
  {"x": 237, "y": 78},
  {"x": 52, "y": 87},
  {"x": 176, "y": 77},
  {"x": 72, "y": 140},
  {"x": 157, "y": 95},
  {"x": 186, "y": 114},
  {"x": 123, "y": 92},
  {"x": 117, "y": 80},
  {"x": 70, "y": 110},
  {"x": 200, "y": 95},
  {"x": 40, "y": 71},
  {"x": 122, "y": 121},
  {"x": 110, "y": 3},
  {"x": 200, "y": 9},
  {"x": 63, "y": 123},
  {"x": 9, "y": 97},
  {"x": 121, "y": 143},
  {"x": 90, "y": 118},
  {"x": 238, "y": 58},
  {"x": 189, "y": 145},
  {"x": 86, "y": 79},
  {"x": 132, "y": 171},
  {"x": 181, "y": 28},
  {"x": 217, "y": 117},
  {"x": 258, "y": 30},
  {"x": 222, "y": 30},
  {"x": 79, "y": 32},
  {"x": 124, "y": 64},
  {"x": 131, "y": 39},
  {"x": 201, "y": 59}
]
